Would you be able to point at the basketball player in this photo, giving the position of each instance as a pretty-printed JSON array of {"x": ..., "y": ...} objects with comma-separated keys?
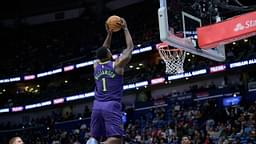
[
  {"x": 106, "y": 119},
  {"x": 16, "y": 140}
]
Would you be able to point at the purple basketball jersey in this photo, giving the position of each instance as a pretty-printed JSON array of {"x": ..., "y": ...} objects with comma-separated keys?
[
  {"x": 106, "y": 119},
  {"x": 109, "y": 84}
]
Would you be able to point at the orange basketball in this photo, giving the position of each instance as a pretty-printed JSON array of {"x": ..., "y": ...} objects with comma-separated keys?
[{"x": 114, "y": 23}]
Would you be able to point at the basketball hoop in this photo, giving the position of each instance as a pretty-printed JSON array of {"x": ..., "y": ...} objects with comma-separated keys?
[{"x": 173, "y": 58}]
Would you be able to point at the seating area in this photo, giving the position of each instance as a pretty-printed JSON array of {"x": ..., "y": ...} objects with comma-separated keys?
[{"x": 206, "y": 121}]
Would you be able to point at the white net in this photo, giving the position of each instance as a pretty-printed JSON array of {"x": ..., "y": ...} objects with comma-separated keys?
[{"x": 173, "y": 58}]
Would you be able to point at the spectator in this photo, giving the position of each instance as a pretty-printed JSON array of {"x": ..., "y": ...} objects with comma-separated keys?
[
  {"x": 16, "y": 140},
  {"x": 185, "y": 140}
]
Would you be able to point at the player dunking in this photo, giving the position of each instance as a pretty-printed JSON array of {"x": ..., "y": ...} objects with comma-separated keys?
[{"x": 106, "y": 118}]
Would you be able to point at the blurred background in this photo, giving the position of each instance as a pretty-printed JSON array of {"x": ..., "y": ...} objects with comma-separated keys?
[{"x": 46, "y": 74}]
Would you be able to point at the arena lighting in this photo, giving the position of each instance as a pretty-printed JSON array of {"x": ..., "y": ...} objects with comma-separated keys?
[
  {"x": 17, "y": 109},
  {"x": 137, "y": 51},
  {"x": 252, "y": 61},
  {"x": 131, "y": 66},
  {"x": 149, "y": 48},
  {"x": 157, "y": 80},
  {"x": 4, "y": 110},
  {"x": 141, "y": 84},
  {"x": 242, "y": 63},
  {"x": 79, "y": 96},
  {"x": 135, "y": 85},
  {"x": 49, "y": 73},
  {"x": 129, "y": 86},
  {"x": 58, "y": 101},
  {"x": 10, "y": 80},
  {"x": 218, "y": 68},
  {"x": 15, "y": 79},
  {"x": 231, "y": 101},
  {"x": 75, "y": 97},
  {"x": 187, "y": 74},
  {"x": 125, "y": 87},
  {"x": 68, "y": 68},
  {"x": 29, "y": 77},
  {"x": 238, "y": 64},
  {"x": 46, "y": 103},
  {"x": 84, "y": 64},
  {"x": 90, "y": 94},
  {"x": 32, "y": 106}
]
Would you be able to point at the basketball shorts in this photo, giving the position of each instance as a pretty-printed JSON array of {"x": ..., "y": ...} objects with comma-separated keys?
[{"x": 106, "y": 124}]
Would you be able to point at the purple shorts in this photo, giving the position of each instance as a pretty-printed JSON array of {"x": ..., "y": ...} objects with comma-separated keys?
[{"x": 106, "y": 123}]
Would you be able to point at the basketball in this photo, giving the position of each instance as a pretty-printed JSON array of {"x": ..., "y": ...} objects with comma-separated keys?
[{"x": 114, "y": 23}]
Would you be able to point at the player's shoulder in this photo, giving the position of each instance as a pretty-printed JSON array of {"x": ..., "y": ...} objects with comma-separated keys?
[
  {"x": 116, "y": 62},
  {"x": 96, "y": 62}
]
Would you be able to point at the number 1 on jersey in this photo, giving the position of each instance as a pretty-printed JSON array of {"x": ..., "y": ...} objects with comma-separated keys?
[{"x": 104, "y": 84}]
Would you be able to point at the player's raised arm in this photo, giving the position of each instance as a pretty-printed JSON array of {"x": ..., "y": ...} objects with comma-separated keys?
[
  {"x": 127, "y": 53},
  {"x": 108, "y": 39},
  {"x": 106, "y": 43}
]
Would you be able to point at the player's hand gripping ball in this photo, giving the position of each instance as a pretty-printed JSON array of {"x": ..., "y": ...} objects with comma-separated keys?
[{"x": 114, "y": 23}]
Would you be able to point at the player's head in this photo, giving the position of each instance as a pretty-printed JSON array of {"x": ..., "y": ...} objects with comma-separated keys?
[
  {"x": 103, "y": 54},
  {"x": 185, "y": 140},
  {"x": 16, "y": 140}
]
